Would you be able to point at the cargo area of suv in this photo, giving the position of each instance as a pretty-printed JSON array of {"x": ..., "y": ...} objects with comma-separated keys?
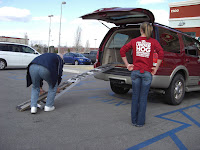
[
  {"x": 180, "y": 69},
  {"x": 116, "y": 41}
]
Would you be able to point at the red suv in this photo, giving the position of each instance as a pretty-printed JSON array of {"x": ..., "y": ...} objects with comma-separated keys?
[{"x": 180, "y": 69}]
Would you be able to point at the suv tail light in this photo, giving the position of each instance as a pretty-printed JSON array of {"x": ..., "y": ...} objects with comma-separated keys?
[{"x": 97, "y": 63}]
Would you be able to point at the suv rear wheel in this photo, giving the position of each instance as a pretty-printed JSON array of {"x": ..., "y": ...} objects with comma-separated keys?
[
  {"x": 176, "y": 90},
  {"x": 2, "y": 64},
  {"x": 118, "y": 89}
]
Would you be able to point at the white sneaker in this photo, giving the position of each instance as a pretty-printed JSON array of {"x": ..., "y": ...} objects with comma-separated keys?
[
  {"x": 46, "y": 108},
  {"x": 33, "y": 110}
]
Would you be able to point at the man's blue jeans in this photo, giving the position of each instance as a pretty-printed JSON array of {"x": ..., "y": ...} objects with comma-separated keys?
[
  {"x": 38, "y": 72},
  {"x": 141, "y": 83}
]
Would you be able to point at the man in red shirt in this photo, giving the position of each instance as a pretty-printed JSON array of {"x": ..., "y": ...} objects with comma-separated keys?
[{"x": 142, "y": 70}]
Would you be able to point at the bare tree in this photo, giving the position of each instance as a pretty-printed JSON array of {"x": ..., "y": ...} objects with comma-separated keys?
[
  {"x": 42, "y": 48},
  {"x": 65, "y": 50},
  {"x": 87, "y": 47},
  {"x": 78, "y": 39}
]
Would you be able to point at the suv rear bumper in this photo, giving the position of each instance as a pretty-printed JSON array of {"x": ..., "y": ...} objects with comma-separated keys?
[{"x": 157, "y": 82}]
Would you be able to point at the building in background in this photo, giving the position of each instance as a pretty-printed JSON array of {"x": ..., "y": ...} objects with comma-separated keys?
[
  {"x": 185, "y": 16},
  {"x": 14, "y": 40}
]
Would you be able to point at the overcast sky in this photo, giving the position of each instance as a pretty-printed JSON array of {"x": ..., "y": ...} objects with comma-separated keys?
[{"x": 20, "y": 17}]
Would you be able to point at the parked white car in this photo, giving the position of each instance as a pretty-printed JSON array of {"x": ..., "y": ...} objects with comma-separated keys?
[{"x": 16, "y": 55}]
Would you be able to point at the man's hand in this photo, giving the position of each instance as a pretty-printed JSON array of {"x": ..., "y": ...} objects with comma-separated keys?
[
  {"x": 42, "y": 91},
  {"x": 58, "y": 90}
]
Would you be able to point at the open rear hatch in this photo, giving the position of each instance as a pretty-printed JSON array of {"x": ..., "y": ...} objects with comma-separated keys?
[{"x": 121, "y": 16}]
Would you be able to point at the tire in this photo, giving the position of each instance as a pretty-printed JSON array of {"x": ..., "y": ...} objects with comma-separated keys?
[
  {"x": 76, "y": 62},
  {"x": 118, "y": 89},
  {"x": 2, "y": 64},
  {"x": 175, "y": 93}
]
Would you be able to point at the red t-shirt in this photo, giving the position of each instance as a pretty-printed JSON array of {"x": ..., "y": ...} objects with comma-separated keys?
[{"x": 143, "y": 50}]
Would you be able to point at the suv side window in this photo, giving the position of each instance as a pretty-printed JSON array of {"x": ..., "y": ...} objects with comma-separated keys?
[
  {"x": 191, "y": 46},
  {"x": 169, "y": 40},
  {"x": 93, "y": 53}
]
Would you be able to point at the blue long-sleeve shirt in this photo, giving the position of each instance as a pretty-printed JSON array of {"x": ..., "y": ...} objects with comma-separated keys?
[{"x": 52, "y": 62}]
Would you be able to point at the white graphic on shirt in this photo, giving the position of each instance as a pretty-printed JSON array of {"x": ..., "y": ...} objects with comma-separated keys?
[{"x": 143, "y": 48}]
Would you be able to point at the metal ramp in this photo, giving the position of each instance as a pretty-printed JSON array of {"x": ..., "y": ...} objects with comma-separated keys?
[{"x": 65, "y": 86}]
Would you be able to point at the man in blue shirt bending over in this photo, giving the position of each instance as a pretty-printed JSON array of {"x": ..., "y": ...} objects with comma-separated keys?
[{"x": 48, "y": 67}]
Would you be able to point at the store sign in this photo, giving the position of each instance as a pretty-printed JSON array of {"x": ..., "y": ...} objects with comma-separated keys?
[{"x": 174, "y": 10}]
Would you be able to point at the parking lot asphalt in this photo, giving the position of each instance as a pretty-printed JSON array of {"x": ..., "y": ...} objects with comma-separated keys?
[{"x": 91, "y": 117}]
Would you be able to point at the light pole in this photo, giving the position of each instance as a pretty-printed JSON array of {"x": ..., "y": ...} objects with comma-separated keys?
[
  {"x": 60, "y": 27},
  {"x": 95, "y": 42},
  {"x": 49, "y": 30}
]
